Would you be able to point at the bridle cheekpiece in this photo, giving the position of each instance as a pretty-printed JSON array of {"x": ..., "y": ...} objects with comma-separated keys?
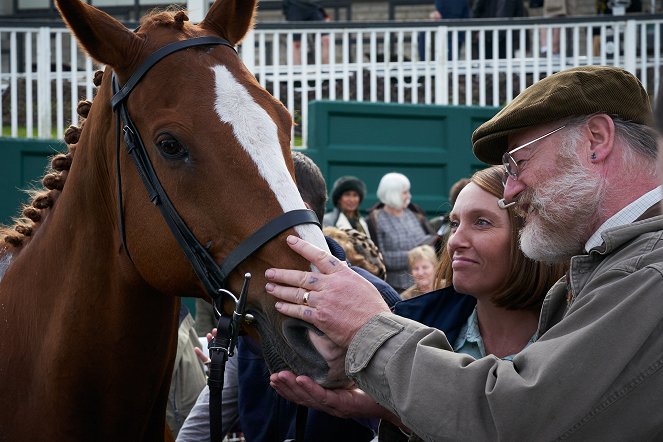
[{"x": 213, "y": 277}]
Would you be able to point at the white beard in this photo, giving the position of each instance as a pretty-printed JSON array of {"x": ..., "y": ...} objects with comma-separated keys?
[{"x": 563, "y": 211}]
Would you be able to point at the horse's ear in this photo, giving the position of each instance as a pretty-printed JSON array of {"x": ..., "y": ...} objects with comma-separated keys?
[
  {"x": 103, "y": 37},
  {"x": 231, "y": 19}
]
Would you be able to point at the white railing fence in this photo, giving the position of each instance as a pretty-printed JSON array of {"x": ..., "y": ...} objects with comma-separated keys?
[{"x": 43, "y": 74}]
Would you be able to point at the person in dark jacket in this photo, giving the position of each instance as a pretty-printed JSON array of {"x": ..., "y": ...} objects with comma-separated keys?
[
  {"x": 306, "y": 10},
  {"x": 444, "y": 10},
  {"x": 497, "y": 9}
]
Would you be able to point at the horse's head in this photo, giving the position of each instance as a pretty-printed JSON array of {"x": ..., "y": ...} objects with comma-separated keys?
[{"x": 219, "y": 145}]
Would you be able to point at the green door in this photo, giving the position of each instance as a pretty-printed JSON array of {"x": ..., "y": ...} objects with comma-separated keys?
[
  {"x": 22, "y": 168},
  {"x": 429, "y": 144}
]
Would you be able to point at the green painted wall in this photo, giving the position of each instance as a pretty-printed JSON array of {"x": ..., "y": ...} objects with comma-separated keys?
[
  {"x": 429, "y": 144},
  {"x": 22, "y": 167}
]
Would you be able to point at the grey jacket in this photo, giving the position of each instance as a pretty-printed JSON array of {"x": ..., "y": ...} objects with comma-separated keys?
[{"x": 595, "y": 373}]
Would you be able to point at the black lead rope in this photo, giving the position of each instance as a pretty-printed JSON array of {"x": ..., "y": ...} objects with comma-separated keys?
[
  {"x": 300, "y": 423},
  {"x": 212, "y": 276},
  {"x": 220, "y": 349}
]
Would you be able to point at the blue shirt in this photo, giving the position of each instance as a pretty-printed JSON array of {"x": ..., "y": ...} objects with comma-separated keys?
[{"x": 469, "y": 339}]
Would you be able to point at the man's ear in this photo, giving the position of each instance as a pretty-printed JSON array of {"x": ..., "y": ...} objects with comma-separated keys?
[{"x": 601, "y": 132}]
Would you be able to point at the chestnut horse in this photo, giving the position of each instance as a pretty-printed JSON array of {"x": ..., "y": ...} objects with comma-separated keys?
[{"x": 91, "y": 274}]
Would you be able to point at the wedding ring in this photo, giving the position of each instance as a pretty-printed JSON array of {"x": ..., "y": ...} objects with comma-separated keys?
[{"x": 305, "y": 298}]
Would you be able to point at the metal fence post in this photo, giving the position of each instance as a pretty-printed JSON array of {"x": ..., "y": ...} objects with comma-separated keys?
[
  {"x": 630, "y": 46},
  {"x": 13, "y": 85},
  {"x": 197, "y": 9},
  {"x": 441, "y": 65},
  {"x": 248, "y": 50},
  {"x": 44, "y": 122}
]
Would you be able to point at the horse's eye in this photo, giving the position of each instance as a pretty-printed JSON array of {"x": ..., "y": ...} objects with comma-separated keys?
[{"x": 170, "y": 148}]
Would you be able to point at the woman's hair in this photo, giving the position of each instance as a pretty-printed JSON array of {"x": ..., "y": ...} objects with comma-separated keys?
[
  {"x": 658, "y": 110},
  {"x": 456, "y": 188},
  {"x": 527, "y": 281},
  {"x": 390, "y": 189},
  {"x": 422, "y": 252}
]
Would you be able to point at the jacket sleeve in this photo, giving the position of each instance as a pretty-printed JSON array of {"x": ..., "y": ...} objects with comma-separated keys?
[
  {"x": 196, "y": 427},
  {"x": 591, "y": 374},
  {"x": 205, "y": 321}
]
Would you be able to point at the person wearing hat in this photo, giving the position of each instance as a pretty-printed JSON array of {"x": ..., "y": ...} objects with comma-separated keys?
[
  {"x": 347, "y": 194},
  {"x": 579, "y": 154}
]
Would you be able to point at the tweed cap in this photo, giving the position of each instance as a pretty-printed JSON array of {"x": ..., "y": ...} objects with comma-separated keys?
[
  {"x": 570, "y": 93},
  {"x": 345, "y": 183}
]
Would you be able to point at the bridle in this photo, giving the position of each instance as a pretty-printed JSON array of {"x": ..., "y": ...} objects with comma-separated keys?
[{"x": 213, "y": 277}]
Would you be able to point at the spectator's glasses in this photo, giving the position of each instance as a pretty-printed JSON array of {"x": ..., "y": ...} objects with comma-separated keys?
[{"x": 511, "y": 165}]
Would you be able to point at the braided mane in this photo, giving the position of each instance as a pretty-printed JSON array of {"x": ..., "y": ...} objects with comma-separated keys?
[
  {"x": 41, "y": 201},
  {"x": 35, "y": 212}
]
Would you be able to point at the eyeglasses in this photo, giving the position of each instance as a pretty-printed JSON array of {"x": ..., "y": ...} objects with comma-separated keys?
[{"x": 511, "y": 165}]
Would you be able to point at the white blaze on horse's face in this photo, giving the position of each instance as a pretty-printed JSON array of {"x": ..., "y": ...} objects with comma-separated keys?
[{"x": 257, "y": 134}]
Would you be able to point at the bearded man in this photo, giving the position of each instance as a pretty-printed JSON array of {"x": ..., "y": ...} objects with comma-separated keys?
[{"x": 580, "y": 160}]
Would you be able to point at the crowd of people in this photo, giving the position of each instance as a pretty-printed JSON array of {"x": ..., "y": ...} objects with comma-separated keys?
[
  {"x": 530, "y": 311},
  {"x": 549, "y": 37}
]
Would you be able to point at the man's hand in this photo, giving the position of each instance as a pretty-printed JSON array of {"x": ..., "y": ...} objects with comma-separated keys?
[
  {"x": 337, "y": 300},
  {"x": 343, "y": 403}
]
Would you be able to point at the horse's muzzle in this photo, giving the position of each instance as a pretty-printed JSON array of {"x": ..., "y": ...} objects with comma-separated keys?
[{"x": 323, "y": 360}]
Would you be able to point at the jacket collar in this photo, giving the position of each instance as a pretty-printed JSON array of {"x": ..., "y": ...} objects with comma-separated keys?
[
  {"x": 651, "y": 220},
  {"x": 582, "y": 267}
]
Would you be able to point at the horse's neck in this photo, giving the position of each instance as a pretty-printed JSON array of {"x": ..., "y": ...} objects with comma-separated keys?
[
  {"x": 74, "y": 305},
  {"x": 72, "y": 267}
]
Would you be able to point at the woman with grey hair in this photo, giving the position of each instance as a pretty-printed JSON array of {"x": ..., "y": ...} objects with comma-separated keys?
[{"x": 397, "y": 226}]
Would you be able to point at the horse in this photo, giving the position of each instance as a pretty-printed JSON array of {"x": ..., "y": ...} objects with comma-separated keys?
[{"x": 92, "y": 271}]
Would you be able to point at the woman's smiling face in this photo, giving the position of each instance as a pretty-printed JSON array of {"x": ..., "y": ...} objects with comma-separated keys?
[
  {"x": 479, "y": 242},
  {"x": 349, "y": 201},
  {"x": 423, "y": 271}
]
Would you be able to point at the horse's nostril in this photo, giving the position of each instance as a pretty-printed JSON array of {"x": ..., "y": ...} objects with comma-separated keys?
[{"x": 296, "y": 334}]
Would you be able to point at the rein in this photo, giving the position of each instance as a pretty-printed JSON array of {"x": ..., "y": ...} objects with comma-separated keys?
[{"x": 213, "y": 277}]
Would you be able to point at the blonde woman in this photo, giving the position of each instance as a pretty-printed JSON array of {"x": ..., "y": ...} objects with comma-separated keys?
[{"x": 422, "y": 262}]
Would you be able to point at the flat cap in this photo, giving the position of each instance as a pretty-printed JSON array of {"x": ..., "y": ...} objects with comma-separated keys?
[{"x": 570, "y": 93}]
